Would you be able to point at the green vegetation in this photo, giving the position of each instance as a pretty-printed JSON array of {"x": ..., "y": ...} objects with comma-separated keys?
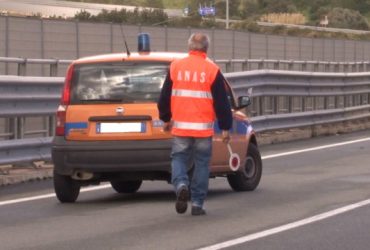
[
  {"x": 144, "y": 16},
  {"x": 350, "y": 14},
  {"x": 346, "y": 18},
  {"x": 142, "y": 3},
  {"x": 355, "y": 12}
]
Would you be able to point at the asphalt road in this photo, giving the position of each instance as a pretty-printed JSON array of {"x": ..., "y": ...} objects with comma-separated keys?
[
  {"x": 282, "y": 213},
  {"x": 63, "y": 8}
]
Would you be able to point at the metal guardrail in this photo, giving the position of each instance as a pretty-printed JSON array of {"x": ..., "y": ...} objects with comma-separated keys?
[
  {"x": 234, "y": 65},
  {"x": 277, "y": 92},
  {"x": 26, "y": 150},
  {"x": 23, "y": 62},
  {"x": 23, "y": 98},
  {"x": 281, "y": 99},
  {"x": 231, "y": 65},
  {"x": 309, "y": 118},
  {"x": 26, "y": 96}
]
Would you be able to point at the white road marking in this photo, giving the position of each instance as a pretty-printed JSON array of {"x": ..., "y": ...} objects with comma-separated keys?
[
  {"x": 45, "y": 196},
  {"x": 286, "y": 227},
  {"x": 50, "y": 195},
  {"x": 299, "y": 223},
  {"x": 315, "y": 148}
]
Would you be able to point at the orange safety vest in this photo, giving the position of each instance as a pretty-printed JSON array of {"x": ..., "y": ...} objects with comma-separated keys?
[{"x": 191, "y": 100}]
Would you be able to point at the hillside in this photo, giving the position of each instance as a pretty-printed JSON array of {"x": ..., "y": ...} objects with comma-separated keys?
[
  {"x": 342, "y": 14},
  {"x": 353, "y": 14},
  {"x": 168, "y": 4}
]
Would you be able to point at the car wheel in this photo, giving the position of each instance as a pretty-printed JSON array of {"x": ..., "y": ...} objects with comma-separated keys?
[
  {"x": 127, "y": 187},
  {"x": 249, "y": 175},
  {"x": 66, "y": 189}
]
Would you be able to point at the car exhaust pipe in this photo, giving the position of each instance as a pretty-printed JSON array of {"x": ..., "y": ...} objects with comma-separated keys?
[{"x": 82, "y": 175}]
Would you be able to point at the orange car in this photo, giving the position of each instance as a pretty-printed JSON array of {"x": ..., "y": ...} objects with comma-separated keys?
[{"x": 108, "y": 128}]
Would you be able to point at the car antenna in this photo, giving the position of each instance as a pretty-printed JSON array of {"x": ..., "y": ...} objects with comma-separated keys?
[{"x": 124, "y": 39}]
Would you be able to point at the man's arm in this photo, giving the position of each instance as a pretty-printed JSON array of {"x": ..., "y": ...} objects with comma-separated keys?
[
  {"x": 164, "y": 102},
  {"x": 222, "y": 106}
]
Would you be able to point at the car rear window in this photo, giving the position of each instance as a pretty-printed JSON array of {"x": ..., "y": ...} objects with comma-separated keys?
[{"x": 122, "y": 82}]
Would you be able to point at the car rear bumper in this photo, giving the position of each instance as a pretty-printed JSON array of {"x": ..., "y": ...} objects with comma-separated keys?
[{"x": 111, "y": 156}]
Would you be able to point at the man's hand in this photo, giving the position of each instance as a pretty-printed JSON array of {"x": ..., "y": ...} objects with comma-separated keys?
[
  {"x": 167, "y": 126},
  {"x": 225, "y": 136}
]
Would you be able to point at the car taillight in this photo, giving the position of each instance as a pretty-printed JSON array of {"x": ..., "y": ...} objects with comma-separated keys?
[
  {"x": 65, "y": 100},
  {"x": 60, "y": 120},
  {"x": 66, "y": 95}
]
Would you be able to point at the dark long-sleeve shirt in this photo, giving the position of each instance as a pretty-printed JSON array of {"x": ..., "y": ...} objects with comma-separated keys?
[{"x": 220, "y": 102}]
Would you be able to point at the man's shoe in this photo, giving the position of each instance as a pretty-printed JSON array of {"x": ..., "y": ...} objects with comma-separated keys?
[
  {"x": 196, "y": 210},
  {"x": 182, "y": 199}
]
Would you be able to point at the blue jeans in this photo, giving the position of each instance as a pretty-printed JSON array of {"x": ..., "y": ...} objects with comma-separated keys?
[{"x": 187, "y": 151}]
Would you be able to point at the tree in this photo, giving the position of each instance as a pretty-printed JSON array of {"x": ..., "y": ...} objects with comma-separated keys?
[
  {"x": 346, "y": 18},
  {"x": 273, "y": 6},
  {"x": 363, "y": 6},
  {"x": 83, "y": 15},
  {"x": 143, "y": 16},
  {"x": 152, "y": 16},
  {"x": 248, "y": 8},
  {"x": 314, "y": 8}
]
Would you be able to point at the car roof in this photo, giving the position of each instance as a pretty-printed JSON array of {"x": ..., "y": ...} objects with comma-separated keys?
[{"x": 147, "y": 56}]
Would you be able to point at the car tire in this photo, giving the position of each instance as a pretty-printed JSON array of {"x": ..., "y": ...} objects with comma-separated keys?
[
  {"x": 248, "y": 177},
  {"x": 126, "y": 187},
  {"x": 66, "y": 189}
]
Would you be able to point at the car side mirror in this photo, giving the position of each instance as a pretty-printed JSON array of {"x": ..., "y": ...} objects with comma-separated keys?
[{"x": 243, "y": 101}]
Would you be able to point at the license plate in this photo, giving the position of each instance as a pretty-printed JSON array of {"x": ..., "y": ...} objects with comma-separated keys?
[{"x": 120, "y": 127}]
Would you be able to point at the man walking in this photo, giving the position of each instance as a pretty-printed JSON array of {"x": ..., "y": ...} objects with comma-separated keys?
[{"x": 192, "y": 97}]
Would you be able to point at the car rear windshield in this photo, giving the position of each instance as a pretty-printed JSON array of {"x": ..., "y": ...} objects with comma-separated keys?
[{"x": 121, "y": 82}]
